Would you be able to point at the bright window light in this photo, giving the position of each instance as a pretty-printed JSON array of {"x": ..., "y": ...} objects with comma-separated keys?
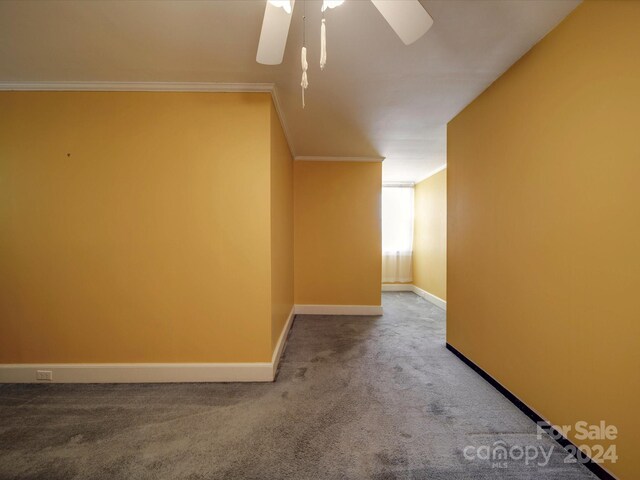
[{"x": 397, "y": 220}]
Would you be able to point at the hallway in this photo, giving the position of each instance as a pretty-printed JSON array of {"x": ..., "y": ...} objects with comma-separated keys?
[{"x": 355, "y": 397}]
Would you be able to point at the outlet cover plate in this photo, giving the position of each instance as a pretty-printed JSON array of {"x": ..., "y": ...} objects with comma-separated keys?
[{"x": 44, "y": 375}]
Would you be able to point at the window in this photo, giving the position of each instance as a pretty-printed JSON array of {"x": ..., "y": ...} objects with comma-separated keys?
[{"x": 397, "y": 234}]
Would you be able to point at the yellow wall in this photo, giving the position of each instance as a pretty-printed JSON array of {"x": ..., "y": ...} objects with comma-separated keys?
[
  {"x": 281, "y": 229},
  {"x": 430, "y": 235},
  {"x": 134, "y": 225},
  {"x": 544, "y": 226},
  {"x": 337, "y": 233}
]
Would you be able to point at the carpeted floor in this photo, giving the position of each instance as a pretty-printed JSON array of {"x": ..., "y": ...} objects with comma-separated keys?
[{"x": 355, "y": 398}]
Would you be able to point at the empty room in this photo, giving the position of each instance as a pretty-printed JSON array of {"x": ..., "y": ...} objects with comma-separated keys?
[{"x": 319, "y": 239}]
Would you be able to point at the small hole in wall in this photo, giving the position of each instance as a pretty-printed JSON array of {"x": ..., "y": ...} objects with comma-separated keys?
[{"x": 68, "y": 154}]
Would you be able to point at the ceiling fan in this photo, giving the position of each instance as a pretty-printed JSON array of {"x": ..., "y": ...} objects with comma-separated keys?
[{"x": 407, "y": 18}]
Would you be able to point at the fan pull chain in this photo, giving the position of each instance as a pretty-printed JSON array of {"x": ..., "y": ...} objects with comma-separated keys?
[
  {"x": 305, "y": 82},
  {"x": 303, "y": 54},
  {"x": 323, "y": 44},
  {"x": 326, "y": 4}
]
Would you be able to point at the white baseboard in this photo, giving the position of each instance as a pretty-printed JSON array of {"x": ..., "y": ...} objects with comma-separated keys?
[
  {"x": 277, "y": 352},
  {"x": 339, "y": 310},
  {"x": 397, "y": 287},
  {"x": 437, "y": 301},
  {"x": 138, "y": 372},
  {"x": 150, "y": 372}
]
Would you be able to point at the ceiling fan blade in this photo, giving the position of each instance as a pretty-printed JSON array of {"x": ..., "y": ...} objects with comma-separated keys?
[
  {"x": 407, "y": 18},
  {"x": 273, "y": 37}
]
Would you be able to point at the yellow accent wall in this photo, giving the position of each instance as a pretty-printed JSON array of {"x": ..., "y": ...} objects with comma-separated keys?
[
  {"x": 133, "y": 226},
  {"x": 337, "y": 236},
  {"x": 281, "y": 229},
  {"x": 544, "y": 226},
  {"x": 430, "y": 235}
]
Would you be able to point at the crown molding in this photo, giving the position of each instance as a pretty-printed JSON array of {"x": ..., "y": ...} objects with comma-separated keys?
[
  {"x": 287, "y": 135},
  {"x": 210, "y": 87},
  {"x": 432, "y": 173},
  {"x": 137, "y": 87},
  {"x": 302, "y": 158}
]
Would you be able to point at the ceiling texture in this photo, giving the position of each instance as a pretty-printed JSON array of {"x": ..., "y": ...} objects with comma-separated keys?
[{"x": 375, "y": 98}]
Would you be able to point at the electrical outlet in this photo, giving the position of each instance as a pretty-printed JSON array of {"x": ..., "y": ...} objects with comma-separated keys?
[{"x": 44, "y": 375}]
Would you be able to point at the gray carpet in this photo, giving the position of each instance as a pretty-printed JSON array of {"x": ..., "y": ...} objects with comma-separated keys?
[{"x": 356, "y": 397}]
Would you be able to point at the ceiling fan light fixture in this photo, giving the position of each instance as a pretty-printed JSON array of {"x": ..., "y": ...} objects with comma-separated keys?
[
  {"x": 331, "y": 4},
  {"x": 408, "y": 19},
  {"x": 284, "y": 4}
]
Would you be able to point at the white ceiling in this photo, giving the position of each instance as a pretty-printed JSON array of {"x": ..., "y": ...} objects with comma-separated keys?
[{"x": 376, "y": 97}]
